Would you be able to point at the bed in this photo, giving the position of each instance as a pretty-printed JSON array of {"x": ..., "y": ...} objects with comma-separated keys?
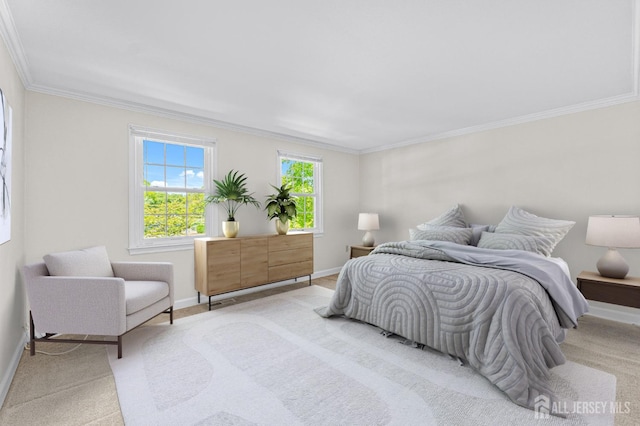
[{"x": 502, "y": 306}]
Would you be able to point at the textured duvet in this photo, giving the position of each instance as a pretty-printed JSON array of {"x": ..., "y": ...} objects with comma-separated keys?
[{"x": 498, "y": 317}]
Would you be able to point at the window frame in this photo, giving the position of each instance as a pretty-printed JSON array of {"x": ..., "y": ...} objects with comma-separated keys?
[
  {"x": 318, "y": 181},
  {"x": 137, "y": 243}
]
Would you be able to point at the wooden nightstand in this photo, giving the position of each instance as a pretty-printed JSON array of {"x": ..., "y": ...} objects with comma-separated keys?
[
  {"x": 624, "y": 292},
  {"x": 357, "y": 251}
]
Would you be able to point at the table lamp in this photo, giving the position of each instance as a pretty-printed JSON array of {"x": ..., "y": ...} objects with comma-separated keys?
[
  {"x": 368, "y": 222},
  {"x": 613, "y": 232}
]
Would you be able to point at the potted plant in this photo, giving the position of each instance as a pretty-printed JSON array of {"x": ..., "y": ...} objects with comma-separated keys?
[
  {"x": 281, "y": 206},
  {"x": 232, "y": 193}
]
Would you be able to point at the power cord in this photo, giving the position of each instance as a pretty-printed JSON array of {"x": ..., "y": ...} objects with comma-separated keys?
[{"x": 28, "y": 347}]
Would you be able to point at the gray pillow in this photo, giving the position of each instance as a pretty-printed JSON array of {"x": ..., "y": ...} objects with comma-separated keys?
[
  {"x": 89, "y": 262},
  {"x": 452, "y": 217},
  {"x": 477, "y": 231},
  {"x": 442, "y": 233},
  {"x": 521, "y": 222},
  {"x": 497, "y": 241}
]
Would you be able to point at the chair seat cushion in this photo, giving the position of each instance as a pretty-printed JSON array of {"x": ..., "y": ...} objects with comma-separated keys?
[{"x": 140, "y": 294}]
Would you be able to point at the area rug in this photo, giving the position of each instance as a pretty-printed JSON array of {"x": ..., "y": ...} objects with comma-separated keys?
[{"x": 274, "y": 361}]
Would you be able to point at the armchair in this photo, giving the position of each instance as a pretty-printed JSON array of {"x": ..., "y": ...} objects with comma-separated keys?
[{"x": 82, "y": 292}]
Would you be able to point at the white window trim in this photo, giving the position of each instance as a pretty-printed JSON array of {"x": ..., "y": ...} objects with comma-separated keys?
[
  {"x": 137, "y": 242},
  {"x": 317, "y": 172}
]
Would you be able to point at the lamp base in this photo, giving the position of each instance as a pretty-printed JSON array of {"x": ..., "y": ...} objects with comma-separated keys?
[
  {"x": 368, "y": 240},
  {"x": 612, "y": 265}
]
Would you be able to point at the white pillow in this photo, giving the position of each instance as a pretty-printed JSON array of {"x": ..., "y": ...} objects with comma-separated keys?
[{"x": 89, "y": 262}]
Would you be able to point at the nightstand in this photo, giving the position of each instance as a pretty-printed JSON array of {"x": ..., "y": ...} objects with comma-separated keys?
[
  {"x": 624, "y": 292},
  {"x": 357, "y": 251}
]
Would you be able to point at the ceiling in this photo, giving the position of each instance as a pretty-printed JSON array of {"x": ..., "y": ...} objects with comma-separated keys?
[{"x": 358, "y": 75}]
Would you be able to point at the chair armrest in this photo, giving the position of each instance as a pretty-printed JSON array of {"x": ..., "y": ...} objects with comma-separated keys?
[
  {"x": 78, "y": 305},
  {"x": 145, "y": 271}
]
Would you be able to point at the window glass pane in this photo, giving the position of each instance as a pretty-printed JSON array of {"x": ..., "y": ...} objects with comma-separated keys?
[
  {"x": 196, "y": 204},
  {"x": 176, "y": 225},
  {"x": 153, "y": 152},
  {"x": 195, "y": 178},
  {"x": 175, "y": 177},
  {"x": 154, "y": 175},
  {"x": 285, "y": 166},
  {"x": 175, "y": 155},
  {"x": 195, "y": 216},
  {"x": 195, "y": 157},
  {"x": 155, "y": 207},
  {"x": 177, "y": 203},
  {"x": 155, "y": 202},
  {"x": 155, "y": 226}
]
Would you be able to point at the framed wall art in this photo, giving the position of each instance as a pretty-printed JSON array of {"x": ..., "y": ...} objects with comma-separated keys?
[{"x": 5, "y": 170}]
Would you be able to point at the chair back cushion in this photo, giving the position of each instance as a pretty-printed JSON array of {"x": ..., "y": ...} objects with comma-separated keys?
[{"x": 89, "y": 262}]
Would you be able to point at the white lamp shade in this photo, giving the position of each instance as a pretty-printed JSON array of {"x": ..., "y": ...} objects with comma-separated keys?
[
  {"x": 368, "y": 222},
  {"x": 613, "y": 231}
]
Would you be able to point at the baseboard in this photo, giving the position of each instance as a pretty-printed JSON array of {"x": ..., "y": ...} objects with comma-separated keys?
[
  {"x": 192, "y": 301},
  {"x": 7, "y": 377},
  {"x": 614, "y": 312}
]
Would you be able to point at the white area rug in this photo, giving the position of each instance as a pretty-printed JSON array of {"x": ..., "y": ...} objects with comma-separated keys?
[{"x": 274, "y": 361}]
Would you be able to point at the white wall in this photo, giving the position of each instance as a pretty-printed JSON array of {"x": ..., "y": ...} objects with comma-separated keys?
[
  {"x": 12, "y": 307},
  {"x": 78, "y": 180},
  {"x": 568, "y": 167}
]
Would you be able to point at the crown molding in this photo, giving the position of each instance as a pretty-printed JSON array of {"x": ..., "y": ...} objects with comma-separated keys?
[
  {"x": 13, "y": 43},
  {"x": 572, "y": 109},
  {"x": 182, "y": 116}
]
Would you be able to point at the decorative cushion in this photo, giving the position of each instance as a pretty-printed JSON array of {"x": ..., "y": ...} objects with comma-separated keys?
[
  {"x": 442, "y": 233},
  {"x": 452, "y": 217},
  {"x": 89, "y": 262},
  {"x": 521, "y": 222},
  {"x": 497, "y": 241}
]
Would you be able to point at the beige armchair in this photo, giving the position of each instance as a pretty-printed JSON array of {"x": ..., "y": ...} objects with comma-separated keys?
[{"x": 82, "y": 292}]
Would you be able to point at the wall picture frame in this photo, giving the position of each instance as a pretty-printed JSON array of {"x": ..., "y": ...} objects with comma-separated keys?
[{"x": 5, "y": 169}]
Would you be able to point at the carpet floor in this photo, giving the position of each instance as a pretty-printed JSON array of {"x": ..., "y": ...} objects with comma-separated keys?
[
  {"x": 79, "y": 387},
  {"x": 274, "y": 361}
]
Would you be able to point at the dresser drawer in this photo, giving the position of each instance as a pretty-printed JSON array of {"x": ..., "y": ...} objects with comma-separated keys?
[{"x": 290, "y": 270}]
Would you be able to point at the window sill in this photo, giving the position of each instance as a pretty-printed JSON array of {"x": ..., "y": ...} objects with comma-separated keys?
[{"x": 187, "y": 245}]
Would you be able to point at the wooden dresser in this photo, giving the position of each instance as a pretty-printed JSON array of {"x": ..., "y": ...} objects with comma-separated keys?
[{"x": 228, "y": 264}]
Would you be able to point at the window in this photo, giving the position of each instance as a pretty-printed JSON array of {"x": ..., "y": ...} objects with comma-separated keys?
[
  {"x": 170, "y": 177},
  {"x": 304, "y": 175}
]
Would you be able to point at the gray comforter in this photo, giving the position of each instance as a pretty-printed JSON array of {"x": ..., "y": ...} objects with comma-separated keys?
[{"x": 502, "y": 311}]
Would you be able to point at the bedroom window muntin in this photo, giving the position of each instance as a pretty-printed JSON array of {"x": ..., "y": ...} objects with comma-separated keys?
[
  {"x": 171, "y": 175},
  {"x": 304, "y": 175}
]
